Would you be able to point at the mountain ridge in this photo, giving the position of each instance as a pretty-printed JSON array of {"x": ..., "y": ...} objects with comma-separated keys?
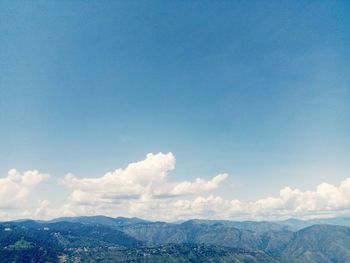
[
  {"x": 107, "y": 239},
  {"x": 292, "y": 224}
]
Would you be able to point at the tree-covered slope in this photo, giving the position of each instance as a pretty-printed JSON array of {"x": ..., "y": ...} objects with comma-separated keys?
[
  {"x": 173, "y": 253},
  {"x": 319, "y": 243},
  {"x": 103, "y": 239}
]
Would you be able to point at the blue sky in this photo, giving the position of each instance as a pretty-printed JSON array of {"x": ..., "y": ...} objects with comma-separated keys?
[{"x": 259, "y": 90}]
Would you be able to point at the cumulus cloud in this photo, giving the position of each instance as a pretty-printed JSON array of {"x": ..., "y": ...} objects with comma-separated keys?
[
  {"x": 139, "y": 180},
  {"x": 326, "y": 199},
  {"x": 211, "y": 207},
  {"x": 142, "y": 189},
  {"x": 15, "y": 189},
  {"x": 199, "y": 185},
  {"x": 135, "y": 180}
]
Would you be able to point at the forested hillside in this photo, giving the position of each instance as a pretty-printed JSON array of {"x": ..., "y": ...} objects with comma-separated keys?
[{"x": 105, "y": 239}]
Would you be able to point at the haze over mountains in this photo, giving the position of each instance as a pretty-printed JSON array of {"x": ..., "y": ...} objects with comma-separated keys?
[{"x": 106, "y": 239}]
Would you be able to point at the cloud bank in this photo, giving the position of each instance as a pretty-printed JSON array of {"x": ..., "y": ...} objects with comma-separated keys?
[
  {"x": 15, "y": 188},
  {"x": 142, "y": 189}
]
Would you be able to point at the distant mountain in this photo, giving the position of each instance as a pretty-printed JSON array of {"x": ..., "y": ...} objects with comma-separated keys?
[
  {"x": 215, "y": 234},
  {"x": 100, "y": 220},
  {"x": 106, "y": 239},
  {"x": 31, "y": 241},
  {"x": 319, "y": 243},
  {"x": 292, "y": 224},
  {"x": 256, "y": 226},
  {"x": 297, "y": 224}
]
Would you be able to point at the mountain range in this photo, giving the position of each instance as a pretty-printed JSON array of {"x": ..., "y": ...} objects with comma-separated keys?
[{"x": 107, "y": 239}]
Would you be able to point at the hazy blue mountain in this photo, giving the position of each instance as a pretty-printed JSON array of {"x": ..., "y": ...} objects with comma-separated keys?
[
  {"x": 215, "y": 233},
  {"x": 31, "y": 241},
  {"x": 257, "y": 226},
  {"x": 105, "y": 239},
  {"x": 264, "y": 226},
  {"x": 100, "y": 220},
  {"x": 297, "y": 224},
  {"x": 340, "y": 221},
  {"x": 319, "y": 243},
  {"x": 274, "y": 242}
]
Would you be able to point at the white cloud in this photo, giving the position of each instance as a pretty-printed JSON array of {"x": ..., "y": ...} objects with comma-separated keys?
[
  {"x": 199, "y": 185},
  {"x": 142, "y": 189},
  {"x": 211, "y": 207},
  {"x": 140, "y": 180},
  {"x": 15, "y": 189},
  {"x": 132, "y": 182},
  {"x": 326, "y": 199}
]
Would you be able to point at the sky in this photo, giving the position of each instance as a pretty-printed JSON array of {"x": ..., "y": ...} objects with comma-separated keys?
[{"x": 175, "y": 109}]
